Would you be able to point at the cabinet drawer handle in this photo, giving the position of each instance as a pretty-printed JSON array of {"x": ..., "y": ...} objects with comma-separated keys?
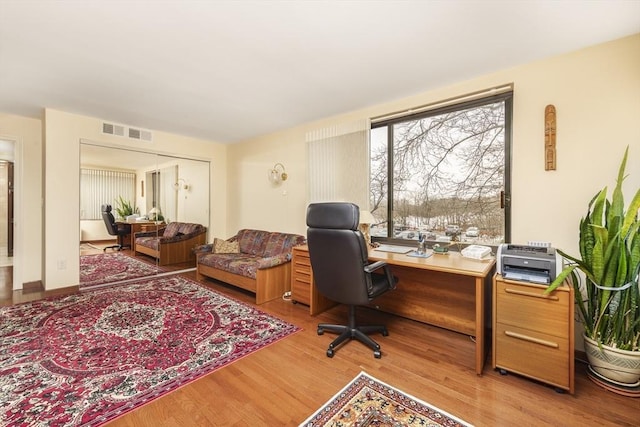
[
  {"x": 531, "y": 294},
  {"x": 531, "y": 339}
]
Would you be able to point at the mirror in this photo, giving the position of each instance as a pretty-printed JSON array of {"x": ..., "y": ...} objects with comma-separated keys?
[{"x": 159, "y": 188}]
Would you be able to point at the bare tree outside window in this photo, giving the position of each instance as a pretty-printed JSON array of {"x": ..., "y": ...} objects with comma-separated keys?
[{"x": 447, "y": 175}]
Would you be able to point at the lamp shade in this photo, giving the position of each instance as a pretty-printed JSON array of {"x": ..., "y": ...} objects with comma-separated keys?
[
  {"x": 366, "y": 217},
  {"x": 154, "y": 214}
]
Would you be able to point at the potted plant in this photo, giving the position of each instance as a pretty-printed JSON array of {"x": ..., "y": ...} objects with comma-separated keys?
[
  {"x": 607, "y": 292},
  {"x": 124, "y": 208}
]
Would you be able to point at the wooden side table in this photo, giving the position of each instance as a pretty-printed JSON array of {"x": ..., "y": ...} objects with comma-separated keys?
[
  {"x": 303, "y": 289},
  {"x": 533, "y": 333}
]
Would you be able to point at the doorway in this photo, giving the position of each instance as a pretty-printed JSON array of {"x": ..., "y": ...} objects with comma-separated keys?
[{"x": 6, "y": 203}]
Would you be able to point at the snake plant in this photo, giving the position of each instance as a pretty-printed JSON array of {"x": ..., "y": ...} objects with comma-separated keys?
[
  {"x": 123, "y": 208},
  {"x": 609, "y": 301}
]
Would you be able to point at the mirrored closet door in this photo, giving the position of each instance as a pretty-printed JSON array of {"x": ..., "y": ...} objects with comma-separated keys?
[{"x": 146, "y": 191}]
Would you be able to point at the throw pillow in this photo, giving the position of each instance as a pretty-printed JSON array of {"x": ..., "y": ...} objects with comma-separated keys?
[{"x": 221, "y": 246}]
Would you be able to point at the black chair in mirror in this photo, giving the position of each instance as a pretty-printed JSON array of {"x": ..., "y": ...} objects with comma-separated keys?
[{"x": 114, "y": 229}]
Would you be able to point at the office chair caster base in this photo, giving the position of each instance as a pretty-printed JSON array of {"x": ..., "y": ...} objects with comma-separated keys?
[
  {"x": 330, "y": 352},
  {"x": 377, "y": 354},
  {"x": 321, "y": 332}
]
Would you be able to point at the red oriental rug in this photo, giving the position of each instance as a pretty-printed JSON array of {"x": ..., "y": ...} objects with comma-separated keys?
[
  {"x": 366, "y": 401},
  {"x": 87, "y": 358},
  {"x": 113, "y": 267}
]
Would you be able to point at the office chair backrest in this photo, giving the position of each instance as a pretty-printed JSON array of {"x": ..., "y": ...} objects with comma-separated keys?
[
  {"x": 338, "y": 252},
  {"x": 109, "y": 220}
]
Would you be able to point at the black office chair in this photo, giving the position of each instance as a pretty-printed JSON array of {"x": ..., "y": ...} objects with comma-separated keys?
[
  {"x": 342, "y": 271},
  {"x": 114, "y": 229}
]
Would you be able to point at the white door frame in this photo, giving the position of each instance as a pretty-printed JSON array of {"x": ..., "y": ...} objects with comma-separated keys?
[{"x": 17, "y": 210}]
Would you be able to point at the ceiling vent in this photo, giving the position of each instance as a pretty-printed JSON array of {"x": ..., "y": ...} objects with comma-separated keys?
[
  {"x": 111, "y": 129},
  {"x": 143, "y": 135},
  {"x": 120, "y": 130}
]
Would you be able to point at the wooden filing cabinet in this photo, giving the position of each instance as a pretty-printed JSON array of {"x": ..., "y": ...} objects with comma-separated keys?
[
  {"x": 533, "y": 333},
  {"x": 303, "y": 289}
]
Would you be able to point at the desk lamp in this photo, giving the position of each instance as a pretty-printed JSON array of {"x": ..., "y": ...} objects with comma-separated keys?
[{"x": 366, "y": 219}]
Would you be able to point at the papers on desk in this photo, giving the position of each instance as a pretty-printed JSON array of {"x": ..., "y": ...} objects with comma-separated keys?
[
  {"x": 393, "y": 249},
  {"x": 417, "y": 255}
]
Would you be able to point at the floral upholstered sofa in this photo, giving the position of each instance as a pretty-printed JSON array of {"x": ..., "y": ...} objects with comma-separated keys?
[
  {"x": 175, "y": 244},
  {"x": 255, "y": 260}
]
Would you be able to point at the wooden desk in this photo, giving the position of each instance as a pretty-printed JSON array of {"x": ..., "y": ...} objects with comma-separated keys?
[{"x": 448, "y": 291}]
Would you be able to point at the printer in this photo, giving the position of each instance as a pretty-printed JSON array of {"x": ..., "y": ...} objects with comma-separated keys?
[{"x": 527, "y": 263}]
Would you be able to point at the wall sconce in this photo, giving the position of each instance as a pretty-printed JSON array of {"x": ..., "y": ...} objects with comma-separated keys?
[
  {"x": 181, "y": 184},
  {"x": 277, "y": 174}
]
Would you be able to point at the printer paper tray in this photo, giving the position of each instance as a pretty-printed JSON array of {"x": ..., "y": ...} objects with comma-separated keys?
[{"x": 526, "y": 276}]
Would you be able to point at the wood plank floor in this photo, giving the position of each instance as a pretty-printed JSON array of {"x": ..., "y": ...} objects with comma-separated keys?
[{"x": 283, "y": 384}]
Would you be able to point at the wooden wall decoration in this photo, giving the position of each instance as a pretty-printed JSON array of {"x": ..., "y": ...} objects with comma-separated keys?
[{"x": 550, "y": 138}]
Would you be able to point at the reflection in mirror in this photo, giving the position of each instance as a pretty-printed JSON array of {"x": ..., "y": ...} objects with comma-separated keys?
[{"x": 158, "y": 189}]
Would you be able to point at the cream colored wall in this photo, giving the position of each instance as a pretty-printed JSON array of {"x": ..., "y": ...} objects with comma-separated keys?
[
  {"x": 596, "y": 92},
  {"x": 63, "y": 132},
  {"x": 27, "y": 134}
]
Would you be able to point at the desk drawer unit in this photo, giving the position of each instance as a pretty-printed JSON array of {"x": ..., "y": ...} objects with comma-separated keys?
[
  {"x": 301, "y": 276},
  {"x": 303, "y": 289},
  {"x": 533, "y": 333}
]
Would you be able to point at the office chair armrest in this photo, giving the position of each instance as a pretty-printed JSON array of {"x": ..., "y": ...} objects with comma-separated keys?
[
  {"x": 370, "y": 268},
  {"x": 387, "y": 271}
]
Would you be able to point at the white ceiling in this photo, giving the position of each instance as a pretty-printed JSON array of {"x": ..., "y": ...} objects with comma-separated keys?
[{"x": 230, "y": 70}]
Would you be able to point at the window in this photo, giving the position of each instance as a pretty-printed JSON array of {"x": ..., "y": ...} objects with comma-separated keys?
[
  {"x": 443, "y": 173},
  {"x": 99, "y": 187}
]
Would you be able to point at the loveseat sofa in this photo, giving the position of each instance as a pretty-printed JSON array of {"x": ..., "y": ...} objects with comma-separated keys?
[
  {"x": 175, "y": 244},
  {"x": 255, "y": 260}
]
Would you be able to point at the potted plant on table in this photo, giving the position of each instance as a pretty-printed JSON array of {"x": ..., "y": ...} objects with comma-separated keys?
[
  {"x": 124, "y": 208},
  {"x": 607, "y": 292}
]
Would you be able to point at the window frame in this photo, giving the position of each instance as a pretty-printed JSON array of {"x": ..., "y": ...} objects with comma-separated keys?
[{"x": 507, "y": 98}]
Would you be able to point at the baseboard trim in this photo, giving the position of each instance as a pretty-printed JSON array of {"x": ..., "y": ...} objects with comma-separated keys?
[{"x": 35, "y": 286}]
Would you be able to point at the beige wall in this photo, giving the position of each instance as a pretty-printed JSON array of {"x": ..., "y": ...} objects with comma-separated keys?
[
  {"x": 596, "y": 92},
  {"x": 63, "y": 133},
  {"x": 27, "y": 136}
]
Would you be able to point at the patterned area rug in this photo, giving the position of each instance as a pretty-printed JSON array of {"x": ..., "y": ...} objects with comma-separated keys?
[
  {"x": 85, "y": 359},
  {"x": 366, "y": 401},
  {"x": 113, "y": 267}
]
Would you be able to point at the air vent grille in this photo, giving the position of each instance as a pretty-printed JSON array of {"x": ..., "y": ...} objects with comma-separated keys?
[
  {"x": 111, "y": 129},
  {"x": 133, "y": 133},
  {"x": 145, "y": 135}
]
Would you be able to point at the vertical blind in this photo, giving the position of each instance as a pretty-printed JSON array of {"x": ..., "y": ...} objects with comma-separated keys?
[
  {"x": 338, "y": 159},
  {"x": 98, "y": 187}
]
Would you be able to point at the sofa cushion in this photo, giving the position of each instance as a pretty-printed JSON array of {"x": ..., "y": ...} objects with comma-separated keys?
[
  {"x": 221, "y": 246},
  {"x": 151, "y": 242},
  {"x": 189, "y": 228},
  {"x": 172, "y": 229},
  {"x": 252, "y": 242},
  {"x": 241, "y": 264},
  {"x": 278, "y": 243}
]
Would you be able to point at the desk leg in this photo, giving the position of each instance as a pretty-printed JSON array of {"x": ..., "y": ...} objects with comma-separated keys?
[{"x": 480, "y": 353}]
